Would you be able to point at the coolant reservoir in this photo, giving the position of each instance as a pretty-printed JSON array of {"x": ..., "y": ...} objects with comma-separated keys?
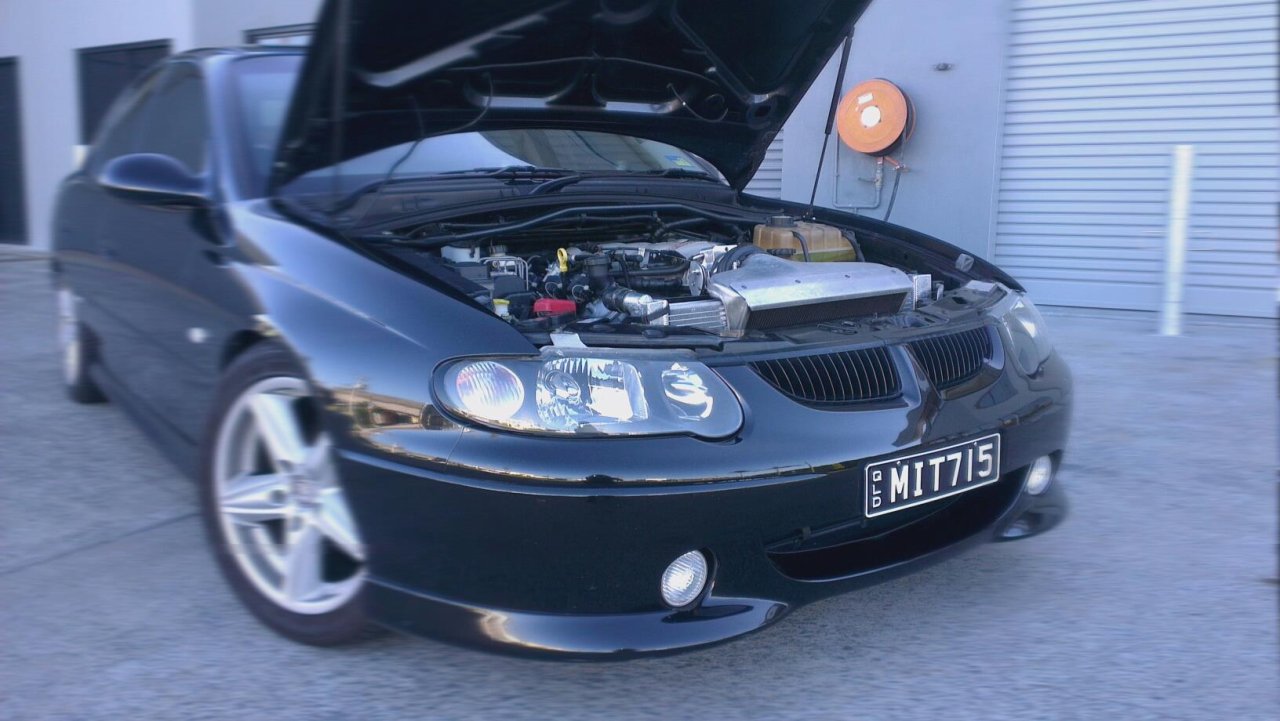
[{"x": 784, "y": 232}]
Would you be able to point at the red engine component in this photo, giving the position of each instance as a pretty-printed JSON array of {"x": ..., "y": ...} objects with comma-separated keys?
[{"x": 554, "y": 306}]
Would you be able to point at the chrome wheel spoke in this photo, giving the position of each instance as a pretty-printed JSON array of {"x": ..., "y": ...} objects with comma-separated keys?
[
  {"x": 333, "y": 519},
  {"x": 250, "y": 499},
  {"x": 302, "y": 562},
  {"x": 319, "y": 462},
  {"x": 269, "y": 551},
  {"x": 69, "y": 335},
  {"x": 278, "y": 426},
  {"x": 281, "y": 502},
  {"x": 66, "y": 318}
]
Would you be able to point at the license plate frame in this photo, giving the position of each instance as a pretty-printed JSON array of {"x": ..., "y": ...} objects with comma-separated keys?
[{"x": 927, "y": 481}]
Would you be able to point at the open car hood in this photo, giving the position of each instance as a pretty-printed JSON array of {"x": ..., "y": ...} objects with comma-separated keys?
[{"x": 715, "y": 77}]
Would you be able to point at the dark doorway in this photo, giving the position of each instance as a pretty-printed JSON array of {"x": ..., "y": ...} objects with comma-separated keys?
[
  {"x": 106, "y": 71},
  {"x": 13, "y": 211}
]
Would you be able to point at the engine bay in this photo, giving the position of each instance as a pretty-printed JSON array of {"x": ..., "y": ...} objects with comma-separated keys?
[{"x": 650, "y": 278}]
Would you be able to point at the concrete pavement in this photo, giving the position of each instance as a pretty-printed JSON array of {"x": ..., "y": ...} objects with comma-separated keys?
[{"x": 1156, "y": 599}]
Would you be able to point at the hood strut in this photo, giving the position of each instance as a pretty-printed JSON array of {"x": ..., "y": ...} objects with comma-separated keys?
[
  {"x": 831, "y": 117},
  {"x": 337, "y": 109}
]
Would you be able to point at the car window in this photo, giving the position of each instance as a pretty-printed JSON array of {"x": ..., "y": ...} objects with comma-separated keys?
[
  {"x": 123, "y": 126},
  {"x": 265, "y": 84},
  {"x": 177, "y": 120}
]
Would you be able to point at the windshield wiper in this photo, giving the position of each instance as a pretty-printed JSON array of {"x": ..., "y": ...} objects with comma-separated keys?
[
  {"x": 647, "y": 212},
  {"x": 681, "y": 173},
  {"x": 511, "y": 172},
  {"x": 555, "y": 178},
  {"x": 514, "y": 172},
  {"x": 556, "y": 184}
]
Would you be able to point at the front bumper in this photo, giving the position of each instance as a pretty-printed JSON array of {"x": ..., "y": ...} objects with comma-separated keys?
[
  {"x": 721, "y": 616},
  {"x": 556, "y": 546},
  {"x": 488, "y": 556}
]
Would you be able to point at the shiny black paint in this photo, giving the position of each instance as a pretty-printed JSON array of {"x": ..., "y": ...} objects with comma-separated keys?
[
  {"x": 719, "y": 617},
  {"x": 151, "y": 179},
  {"x": 726, "y": 75},
  {"x": 520, "y": 543}
]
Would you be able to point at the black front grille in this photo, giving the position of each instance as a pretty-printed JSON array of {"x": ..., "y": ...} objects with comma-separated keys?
[
  {"x": 834, "y": 378},
  {"x": 955, "y": 358}
]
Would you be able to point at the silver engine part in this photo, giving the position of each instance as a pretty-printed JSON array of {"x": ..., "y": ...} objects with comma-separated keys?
[
  {"x": 506, "y": 265},
  {"x": 701, "y": 254},
  {"x": 921, "y": 292},
  {"x": 765, "y": 282},
  {"x": 762, "y": 284},
  {"x": 641, "y": 306},
  {"x": 706, "y": 315}
]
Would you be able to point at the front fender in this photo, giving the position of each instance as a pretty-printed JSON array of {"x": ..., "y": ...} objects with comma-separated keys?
[{"x": 367, "y": 336}]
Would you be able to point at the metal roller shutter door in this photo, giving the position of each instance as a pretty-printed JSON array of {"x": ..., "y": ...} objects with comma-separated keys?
[
  {"x": 767, "y": 181},
  {"x": 1097, "y": 94}
]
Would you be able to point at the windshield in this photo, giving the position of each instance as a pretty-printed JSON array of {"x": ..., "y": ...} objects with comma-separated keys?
[{"x": 265, "y": 84}]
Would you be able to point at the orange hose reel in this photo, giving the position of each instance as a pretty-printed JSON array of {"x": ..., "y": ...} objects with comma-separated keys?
[{"x": 875, "y": 117}]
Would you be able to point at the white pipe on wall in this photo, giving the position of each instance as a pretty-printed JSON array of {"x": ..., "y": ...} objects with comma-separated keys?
[{"x": 1175, "y": 255}]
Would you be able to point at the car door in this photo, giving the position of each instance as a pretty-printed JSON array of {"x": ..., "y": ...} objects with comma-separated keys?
[
  {"x": 151, "y": 248},
  {"x": 93, "y": 273}
]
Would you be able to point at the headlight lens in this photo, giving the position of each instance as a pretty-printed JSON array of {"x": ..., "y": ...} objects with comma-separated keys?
[
  {"x": 1031, "y": 345},
  {"x": 492, "y": 389},
  {"x": 591, "y": 393}
]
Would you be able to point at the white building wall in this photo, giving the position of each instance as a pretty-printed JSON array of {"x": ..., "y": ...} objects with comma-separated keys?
[
  {"x": 44, "y": 35},
  {"x": 952, "y": 157},
  {"x": 224, "y": 22}
]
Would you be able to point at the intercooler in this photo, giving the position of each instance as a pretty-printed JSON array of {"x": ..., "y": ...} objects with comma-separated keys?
[
  {"x": 768, "y": 292},
  {"x": 705, "y": 315}
]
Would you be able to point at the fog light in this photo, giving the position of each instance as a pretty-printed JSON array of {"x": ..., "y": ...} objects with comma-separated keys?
[
  {"x": 684, "y": 579},
  {"x": 1039, "y": 475}
]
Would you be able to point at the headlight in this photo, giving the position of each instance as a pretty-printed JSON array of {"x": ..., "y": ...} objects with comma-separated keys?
[
  {"x": 1031, "y": 346},
  {"x": 591, "y": 393}
]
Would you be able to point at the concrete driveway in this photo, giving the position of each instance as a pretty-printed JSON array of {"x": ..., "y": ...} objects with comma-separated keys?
[{"x": 1157, "y": 598}]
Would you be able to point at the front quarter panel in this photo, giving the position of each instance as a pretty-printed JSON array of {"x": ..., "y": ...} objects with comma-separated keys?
[{"x": 368, "y": 336}]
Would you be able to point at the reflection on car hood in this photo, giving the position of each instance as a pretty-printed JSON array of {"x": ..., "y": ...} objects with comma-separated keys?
[{"x": 715, "y": 77}]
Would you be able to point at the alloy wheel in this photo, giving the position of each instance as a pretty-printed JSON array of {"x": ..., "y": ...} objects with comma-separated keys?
[
  {"x": 280, "y": 503},
  {"x": 69, "y": 336}
]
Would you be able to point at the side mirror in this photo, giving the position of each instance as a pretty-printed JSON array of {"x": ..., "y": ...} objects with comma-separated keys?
[{"x": 153, "y": 179}]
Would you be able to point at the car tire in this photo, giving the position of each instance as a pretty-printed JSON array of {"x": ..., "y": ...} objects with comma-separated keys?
[
  {"x": 261, "y": 531},
  {"x": 77, "y": 348}
]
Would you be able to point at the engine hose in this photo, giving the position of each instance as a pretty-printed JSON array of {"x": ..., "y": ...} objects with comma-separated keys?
[
  {"x": 674, "y": 269},
  {"x": 804, "y": 244},
  {"x": 734, "y": 257},
  {"x": 674, "y": 273},
  {"x": 666, "y": 228},
  {"x": 657, "y": 283}
]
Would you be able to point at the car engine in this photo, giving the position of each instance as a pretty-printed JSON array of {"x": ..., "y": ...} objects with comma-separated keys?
[{"x": 719, "y": 285}]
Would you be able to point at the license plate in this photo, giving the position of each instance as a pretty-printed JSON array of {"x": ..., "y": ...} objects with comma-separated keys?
[{"x": 909, "y": 481}]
